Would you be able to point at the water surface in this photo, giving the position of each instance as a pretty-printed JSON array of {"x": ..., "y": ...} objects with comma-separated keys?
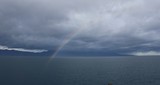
[{"x": 80, "y": 71}]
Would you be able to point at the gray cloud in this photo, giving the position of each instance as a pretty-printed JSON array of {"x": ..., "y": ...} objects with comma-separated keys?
[{"x": 102, "y": 25}]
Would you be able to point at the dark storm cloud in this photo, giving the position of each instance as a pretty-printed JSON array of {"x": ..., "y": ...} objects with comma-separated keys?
[
  {"x": 27, "y": 23},
  {"x": 103, "y": 25}
]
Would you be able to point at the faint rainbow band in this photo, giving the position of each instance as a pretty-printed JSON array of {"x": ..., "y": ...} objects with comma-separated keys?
[{"x": 65, "y": 41}]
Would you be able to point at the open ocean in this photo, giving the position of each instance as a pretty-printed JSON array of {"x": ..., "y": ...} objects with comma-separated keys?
[{"x": 80, "y": 71}]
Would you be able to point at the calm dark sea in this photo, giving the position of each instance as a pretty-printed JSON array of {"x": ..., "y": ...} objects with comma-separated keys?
[{"x": 80, "y": 71}]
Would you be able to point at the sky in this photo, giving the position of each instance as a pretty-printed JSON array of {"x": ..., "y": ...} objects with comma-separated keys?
[{"x": 105, "y": 27}]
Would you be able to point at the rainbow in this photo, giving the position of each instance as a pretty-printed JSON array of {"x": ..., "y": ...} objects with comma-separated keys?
[{"x": 65, "y": 41}]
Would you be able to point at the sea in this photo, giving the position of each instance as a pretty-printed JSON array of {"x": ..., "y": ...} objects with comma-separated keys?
[{"x": 119, "y": 70}]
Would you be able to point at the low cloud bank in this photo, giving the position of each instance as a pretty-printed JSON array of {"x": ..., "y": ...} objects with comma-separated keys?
[
  {"x": 150, "y": 53},
  {"x": 22, "y": 49}
]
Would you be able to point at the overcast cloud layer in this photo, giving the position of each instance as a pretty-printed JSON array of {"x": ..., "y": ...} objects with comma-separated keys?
[{"x": 119, "y": 26}]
